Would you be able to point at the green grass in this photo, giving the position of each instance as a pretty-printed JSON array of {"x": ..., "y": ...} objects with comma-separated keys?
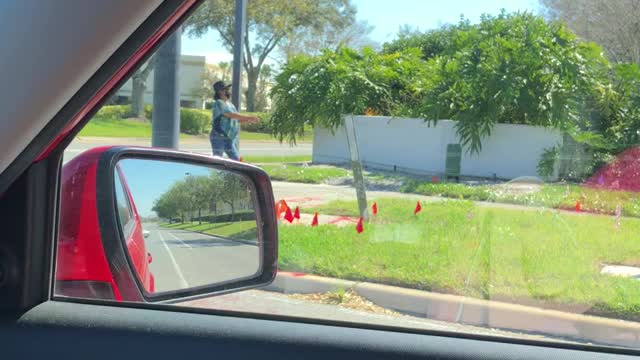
[
  {"x": 116, "y": 128},
  {"x": 245, "y": 230},
  {"x": 120, "y": 128},
  {"x": 307, "y": 175},
  {"x": 551, "y": 195},
  {"x": 543, "y": 256},
  {"x": 257, "y": 159}
]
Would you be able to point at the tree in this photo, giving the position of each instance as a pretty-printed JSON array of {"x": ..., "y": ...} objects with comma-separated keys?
[
  {"x": 138, "y": 86},
  {"x": 431, "y": 43},
  {"x": 613, "y": 24},
  {"x": 199, "y": 193},
  {"x": 269, "y": 22},
  {"x": 311, "y": 41},
  {"x": 320, "y": 90},
  {"x": 233, "y": 189},
  {"x": 264, "y": 85},
  {"x": 515, "y": 69}
]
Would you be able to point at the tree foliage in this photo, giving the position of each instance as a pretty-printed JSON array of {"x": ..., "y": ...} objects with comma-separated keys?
[
  {"x": 612, "y": 24},
  {"x": 510, "y": 68},
  {"x": 320, "y": 90},
  {"x": 513, "y": 69},
  {"x": 196, "y": 193},
  {"x": 269, "y": 22}
]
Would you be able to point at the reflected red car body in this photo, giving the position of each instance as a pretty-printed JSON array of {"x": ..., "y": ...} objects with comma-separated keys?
[{"x": 82, "y": 267}]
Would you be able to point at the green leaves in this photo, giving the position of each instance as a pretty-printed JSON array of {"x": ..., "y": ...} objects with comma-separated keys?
[
  {"x": 321, "y": 90},
  {"x": 510, "y": 69}
]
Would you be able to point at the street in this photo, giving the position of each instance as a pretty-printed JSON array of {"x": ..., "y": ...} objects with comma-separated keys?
[
  {"x": 183, "y": 259},
  {"x": 200, "y": 146}
]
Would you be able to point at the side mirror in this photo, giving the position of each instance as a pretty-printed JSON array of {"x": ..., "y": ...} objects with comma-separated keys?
[{"x": 209, "y": 224}]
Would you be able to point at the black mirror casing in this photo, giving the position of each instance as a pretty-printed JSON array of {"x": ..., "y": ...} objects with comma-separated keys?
[{"x": 113, "y": 239}]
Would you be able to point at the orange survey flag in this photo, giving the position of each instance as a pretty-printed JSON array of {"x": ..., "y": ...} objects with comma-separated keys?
[
  {"x": 314, "y": 222},
  {"x": 418, "y": 208},
  {"x": 288, "y": 215},
  {"x": 296, "y": 214},
  {"x": 374, "y": 208},
  {"x": 281, "y": 207},
  {"x": 578, "y": 206},
  {"x": 360, "y": 226}
]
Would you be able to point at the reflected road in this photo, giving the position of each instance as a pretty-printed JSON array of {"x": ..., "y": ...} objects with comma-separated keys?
[{"x": 184, "y": 259}]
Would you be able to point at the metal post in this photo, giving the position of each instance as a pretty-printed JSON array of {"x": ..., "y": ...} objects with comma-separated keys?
[
  {"x": 238, "y": 43},
  {"x": 166, "y": 95},
  {"x": 356, "y": 166}
]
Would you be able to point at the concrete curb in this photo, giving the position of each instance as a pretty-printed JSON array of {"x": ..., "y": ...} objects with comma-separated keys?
[{"x": 470, "y": 311}]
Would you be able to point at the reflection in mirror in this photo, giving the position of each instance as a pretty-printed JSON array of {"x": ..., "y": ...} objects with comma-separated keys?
[{"x": 186, "y": 225}]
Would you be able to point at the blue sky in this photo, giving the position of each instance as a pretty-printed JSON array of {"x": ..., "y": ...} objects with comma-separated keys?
[
  {"x": 386, "y": 17},
  {"x": 148, "y": 179}
]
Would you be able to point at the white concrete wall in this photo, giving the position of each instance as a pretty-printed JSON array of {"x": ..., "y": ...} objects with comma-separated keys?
[
  {"x": 191, "y": 70},
  {"x": 410, "y": 145}
]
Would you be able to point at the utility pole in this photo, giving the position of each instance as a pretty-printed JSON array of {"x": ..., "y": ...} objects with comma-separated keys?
[
  {"x": 166, "y": 94},
  {"x": 238, "y": 42}
]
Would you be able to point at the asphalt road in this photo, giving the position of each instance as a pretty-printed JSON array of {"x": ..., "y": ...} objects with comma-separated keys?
[
  {"x": 200, "y": 146},
  {"x": 184, "y": 259}
]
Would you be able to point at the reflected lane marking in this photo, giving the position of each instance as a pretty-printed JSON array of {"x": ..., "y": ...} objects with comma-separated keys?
[{"x": 183, "y": 281}]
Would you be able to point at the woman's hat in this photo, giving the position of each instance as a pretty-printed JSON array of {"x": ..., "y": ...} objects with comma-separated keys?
[{"x": 220, "y": 85}]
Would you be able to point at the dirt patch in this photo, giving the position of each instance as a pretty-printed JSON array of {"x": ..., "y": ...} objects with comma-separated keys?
[{"x": 348, "y": 299}]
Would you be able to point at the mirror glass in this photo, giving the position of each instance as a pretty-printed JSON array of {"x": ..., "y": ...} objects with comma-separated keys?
[{"x": 186, "y": 225}]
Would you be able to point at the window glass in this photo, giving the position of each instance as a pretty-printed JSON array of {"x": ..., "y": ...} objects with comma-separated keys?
[{"x": 462, "y": 166}]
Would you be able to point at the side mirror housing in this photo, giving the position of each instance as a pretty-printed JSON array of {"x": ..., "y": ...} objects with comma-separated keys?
[{"x": 209, "y": 224}]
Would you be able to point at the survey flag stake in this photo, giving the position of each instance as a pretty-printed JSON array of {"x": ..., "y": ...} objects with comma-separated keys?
[
  {"x": 360, "y": 226},
  {"x": 288, "y": 215},
  {"x": 418, "y": 208}
]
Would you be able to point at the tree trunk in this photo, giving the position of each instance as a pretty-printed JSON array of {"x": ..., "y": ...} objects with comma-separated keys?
[
  {"x": 252, "y": 78},
  {"x": 199, "y": 217},
  {"x": 137, "y": 95}
]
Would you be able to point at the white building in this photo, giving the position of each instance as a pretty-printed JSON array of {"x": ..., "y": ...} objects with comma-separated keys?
[{"x": 190, "y": 75}]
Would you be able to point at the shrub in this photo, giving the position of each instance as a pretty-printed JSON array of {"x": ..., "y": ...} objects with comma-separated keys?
[
  {"x": 261, "y": 126},
  {"x": 148, "y": 110},
  {"x": 194, "y": 121},
  {"x": 113, "y": 112}
]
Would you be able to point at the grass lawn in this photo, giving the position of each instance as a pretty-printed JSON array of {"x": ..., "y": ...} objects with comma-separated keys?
[
  {"x": 116, "y": 128},
  {"x": 119, "y": 128},
  {"x": 245, "y": 230},
  {"x": 257, "y": 159},
  {"x": 551, "y": 259},
  {"x": 551, "y": 195},
  {"x": 554, "y": 196},
  {"x": 307, "y": 175}
]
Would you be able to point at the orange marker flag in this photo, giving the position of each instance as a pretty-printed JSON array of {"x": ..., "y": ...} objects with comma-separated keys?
[
  {"x": 281, "y": 207},
  {"x": 418, "y": 208},
  {"x": 578, "y": 206},
  {"x": 360, "y": 226},
  {"x": 374, "y": 208},
  {"x": 288, "y": 215},
  {"x": 296, "y": 213},
  {"x": 314, "y": 222}
]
